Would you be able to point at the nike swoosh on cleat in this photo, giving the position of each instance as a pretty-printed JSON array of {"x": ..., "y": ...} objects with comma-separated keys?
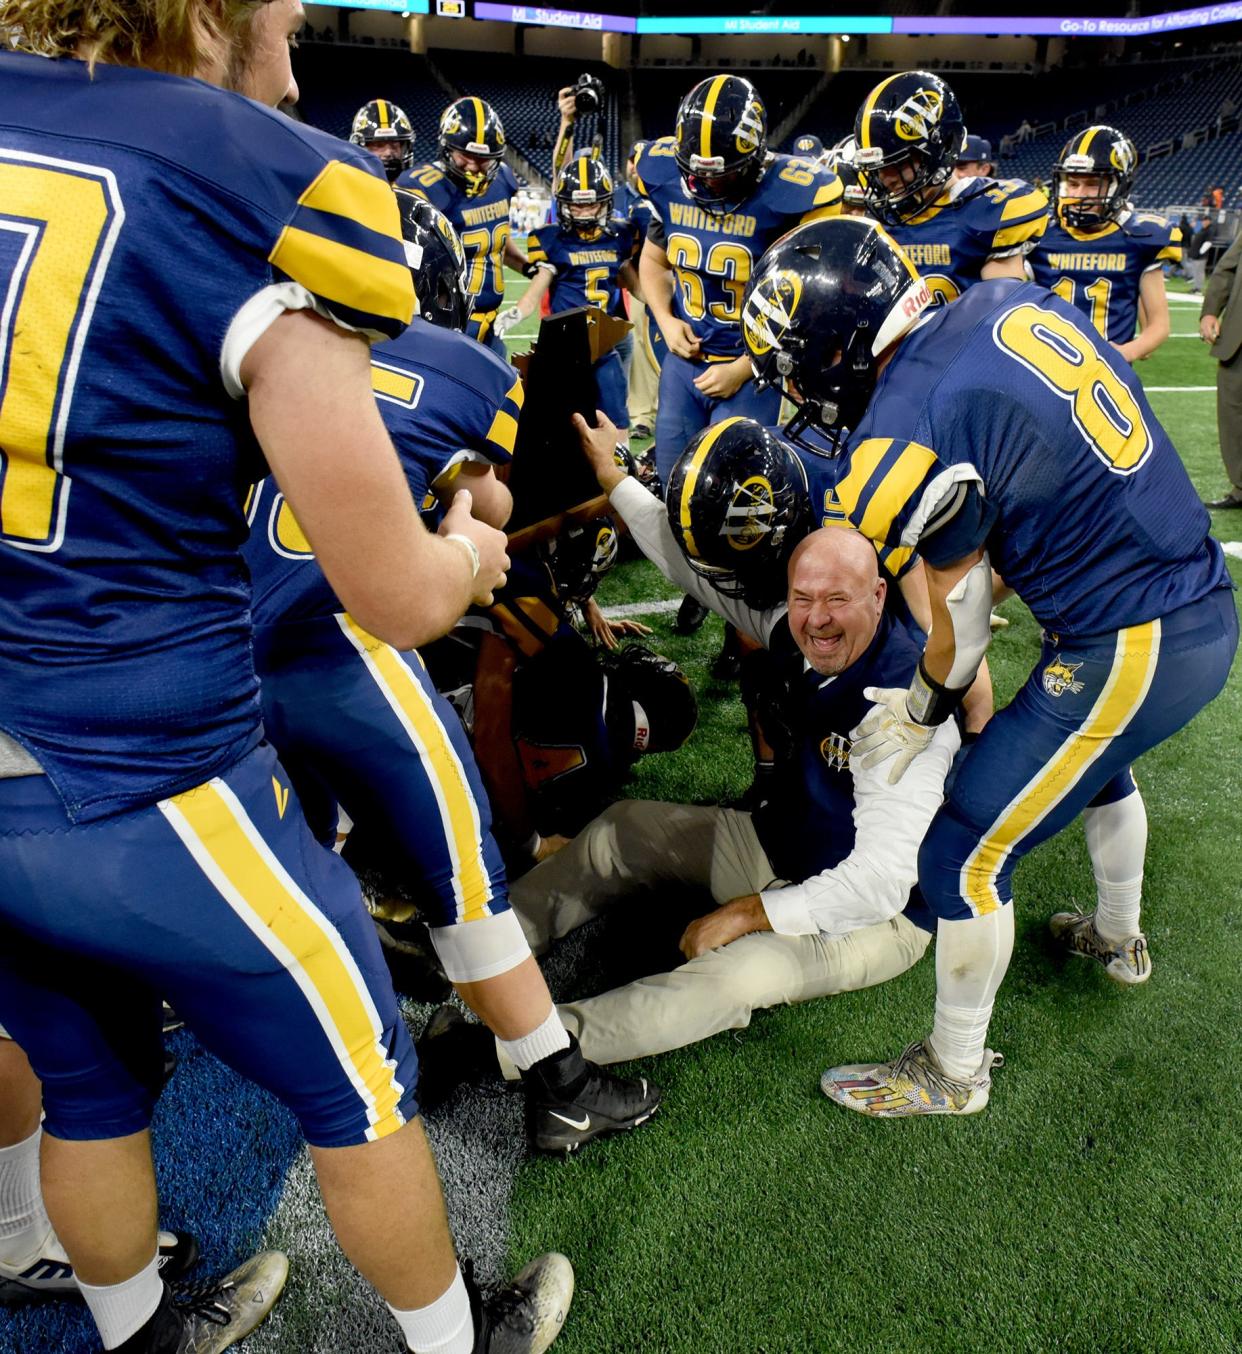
[{"x": 581, "y": 1125}]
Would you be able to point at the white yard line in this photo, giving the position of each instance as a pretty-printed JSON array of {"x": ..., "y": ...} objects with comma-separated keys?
[
  {"x": 620, "y": 613},
  {"x": 1168, "y": 390}
]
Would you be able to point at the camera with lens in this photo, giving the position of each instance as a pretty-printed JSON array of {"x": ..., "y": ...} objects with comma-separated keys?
[{"x": 588, "y": 95}]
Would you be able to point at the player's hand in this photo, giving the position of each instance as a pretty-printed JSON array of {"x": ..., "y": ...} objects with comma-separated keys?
[
  {"x": 610, "y": 633},
  {"x": 681, "y": 339},
  {"x": 599, "y": 445},
  {"x": 1209, "y": 328},
  {"x": 888, "y": 731},
  {"x": 506, "y": 320},
  {"x": 565, "y": 103},
  {"x": 736, "y": 918},
  {"x": 722, "y": 380},
  {"x": 549, "y": 846},
  {"x": 491, "y": 544}
]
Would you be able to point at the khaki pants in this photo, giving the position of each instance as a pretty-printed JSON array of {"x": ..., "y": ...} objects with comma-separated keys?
[
  {"x": 1229, "y": 418},
  {"x": 644, "y": 371},
  {"x": 637, "y": 844}
]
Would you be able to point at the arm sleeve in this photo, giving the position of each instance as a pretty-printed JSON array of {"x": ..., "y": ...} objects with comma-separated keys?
[
  {"x": 872, "y": 884},
  {"x": 645, "y": 516}
]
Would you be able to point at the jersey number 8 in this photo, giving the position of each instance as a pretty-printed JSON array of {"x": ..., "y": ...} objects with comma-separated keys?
[{"x": 1105, "y": 412}]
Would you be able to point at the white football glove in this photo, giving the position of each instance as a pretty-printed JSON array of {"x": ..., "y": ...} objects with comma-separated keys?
[
  {"x": 506, "y": 321},
  {"x": 888, "y": 730}
]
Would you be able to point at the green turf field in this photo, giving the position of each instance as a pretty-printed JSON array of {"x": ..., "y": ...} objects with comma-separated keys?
[{"x": 1095, "y": 1205}]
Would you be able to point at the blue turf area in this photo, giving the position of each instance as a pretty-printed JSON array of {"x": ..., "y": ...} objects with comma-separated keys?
[{"x": 222, "y": 1150}]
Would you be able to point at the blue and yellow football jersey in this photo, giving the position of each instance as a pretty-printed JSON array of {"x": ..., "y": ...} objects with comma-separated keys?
[
  {"x": 713, "y": 256},
  {"x": 445, "y": 400},
  {"x": 150, "y": 227},
  {"x": 633, "y": 207},
  {"x": 972, "y": 221},
  {"x": 483, "y": 224},
  {"x": 587, "y": 272},
  {"x": 1101, "y": 273},
  {"x": 1089, "y": 514}
]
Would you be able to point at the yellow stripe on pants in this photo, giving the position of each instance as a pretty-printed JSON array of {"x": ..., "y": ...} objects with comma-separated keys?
[
  {"x": 1134, "y": 665},
  {"x": 459, "y": 814},
  {"x": 214, "y": 827}
]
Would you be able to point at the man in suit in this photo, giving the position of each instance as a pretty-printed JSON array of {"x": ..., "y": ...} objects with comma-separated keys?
[{"x": 1220, "y": 324}]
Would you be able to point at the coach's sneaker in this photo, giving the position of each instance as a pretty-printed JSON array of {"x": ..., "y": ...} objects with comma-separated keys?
[
  {"x": 209, "y": 1317},
  {"x": 914, "y": 1084},
  {"x": 569, "y": 1101},
  {"x": 1125, "y": 961},
  {"x": 526, "y": 1315},
  {"x": 46, "y": 1272}
]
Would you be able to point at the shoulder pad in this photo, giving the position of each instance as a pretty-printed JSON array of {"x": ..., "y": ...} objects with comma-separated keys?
[
  {"x": 795, "y": 186},
  {"x": 656, "y": 167}
]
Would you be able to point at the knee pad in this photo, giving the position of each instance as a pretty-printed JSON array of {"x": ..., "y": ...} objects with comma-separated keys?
[{"x": 474, "y": 951}]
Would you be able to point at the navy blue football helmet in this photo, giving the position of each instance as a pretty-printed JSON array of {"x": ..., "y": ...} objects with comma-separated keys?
[
  {"x": 825, "y": 301},
  {"x": 437, "y": 261},
  {"x": 911, "y": 125},
  {"x": 722, "y": 142}
]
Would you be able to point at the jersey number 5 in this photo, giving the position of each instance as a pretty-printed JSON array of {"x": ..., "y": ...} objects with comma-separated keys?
[
  {"x": 58, "y": 226},
  {"x": 1105, "y": 412}
]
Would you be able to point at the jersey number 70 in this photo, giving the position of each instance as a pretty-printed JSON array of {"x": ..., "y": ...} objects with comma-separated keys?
[{"x": 59, "y": 223}]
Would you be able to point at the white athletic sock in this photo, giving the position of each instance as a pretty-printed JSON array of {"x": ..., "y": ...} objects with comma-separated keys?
[
  {"x": 1117, "y": 844},
  {"x": 444, "y": 1327},
  {"x": 23, "y": 1222},
  {"x": 545, "y": 1039},
  {"x": 121, "y": 1309},
  {"x": 971, "y": 959}
]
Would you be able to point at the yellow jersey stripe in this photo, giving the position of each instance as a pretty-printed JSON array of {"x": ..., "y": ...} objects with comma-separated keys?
[
  {"x": 529, "y": 644},
  {"x": 338, "y": 272},
  {"x": 459, "y": 814},
  {"x": 516, "y": 394},
  {"x": 214, "y": 827},
  {"x": 692, "y": 476},
  {"x": 503, "y": 432},
  {"x": 863, "y": 462},
  {"x": 869, "y": 105},
  {"x": 478, "y": 119},
  {"x": 385, "y": 381},
  {"x": 1134, "y": 666},
  {"x": 1019, "y": 234},
  {"x": 820, "y": 214},
  {"x": 344, "y": 190},
  {"x": 896, "y": 490},
  {"x": 709, "y": 115},
  {"x": 1024, "y": 204}
]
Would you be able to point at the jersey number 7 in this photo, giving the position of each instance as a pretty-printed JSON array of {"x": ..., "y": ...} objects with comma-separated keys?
[{"x": 59, "y": 223}]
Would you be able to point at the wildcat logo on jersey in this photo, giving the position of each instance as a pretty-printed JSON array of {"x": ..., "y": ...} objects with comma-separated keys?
[
  {"x": 749, "y": 516},
  {"x": 835, "y": 750},
  {"x": 770, "y": 310},
  {"x": 750, "y": 129},
  {"x": 1059, "y": 678},
  {"x": 918, "y": 115}
]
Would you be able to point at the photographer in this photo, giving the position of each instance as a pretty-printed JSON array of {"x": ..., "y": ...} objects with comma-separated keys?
[{"x": 584, "y": 98}]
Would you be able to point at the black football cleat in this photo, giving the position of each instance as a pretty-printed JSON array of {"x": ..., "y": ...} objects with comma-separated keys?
[
  {"x": 570, "y": 1102},
  {"x": 528, "y": 1313},
  {"x": 690, "y": 616}
]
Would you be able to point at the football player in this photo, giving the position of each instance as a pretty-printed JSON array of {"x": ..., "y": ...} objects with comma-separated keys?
[
  {"x": 957, "y": 232},
  {"x": 471, "y": 184},
  {"x": 648, "y": 342},
  {"x": 392, "y": 753},
  {"x": 720, "y": 197},
  {"x": 383, "y": 129},
  {"x": 151, "y": 843},
  {"x": 1002, "y": 428},
  {"x": 1098, "y": 253},
  {"x": 841, "y": 160},
  {"x": 585, "y": 261}
]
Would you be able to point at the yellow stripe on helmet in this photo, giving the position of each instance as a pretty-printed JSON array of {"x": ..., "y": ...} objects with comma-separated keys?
[
  {"x": 381, "y": 111},
  {"x": 1081, "y": 148},
  {"x": 692, "y": 477},
  {"x": 709, "y": 113},
  {"x": 478, "y": 119},
  {"x": 582, "y": 173},
  {"x": 865, "y": 129}
]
